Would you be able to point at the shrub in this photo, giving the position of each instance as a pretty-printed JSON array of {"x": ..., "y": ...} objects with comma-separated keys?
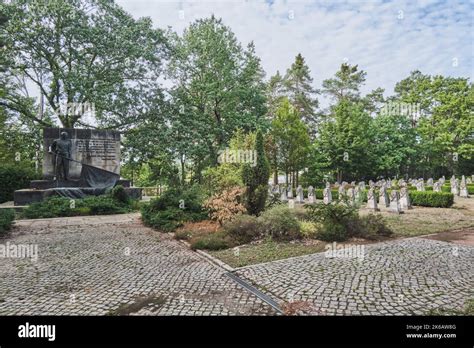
[
  {"x": 166, "y": 220},
  {"x": 14, "y": 177},
  {"x": 174, "y": 207},
  {"x": 182, "y": 235},
  {"x": 244, "y": 229},
  {"x": 432, "y": 199},
  {"x": 372, "y": 227},
  {"x": 62, "y": 207},
  {"x": 120, "y": 195},
  {"x": 226, "y": 205},
  {"x": 340, "y": 222},
  {"x": 222, "y": 177},
  {"x": 308, "y": 229},
  {"x": 102, "y": 205},
  {"x": 280, "y": 223},
  {"x": 213, "y": 241},
  {"x": 6, "y": 219}
]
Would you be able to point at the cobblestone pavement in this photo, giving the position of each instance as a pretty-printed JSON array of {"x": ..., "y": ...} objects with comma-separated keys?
[
  {"x": 403, "y": 277},
  {"x": 113, "y": 265}
]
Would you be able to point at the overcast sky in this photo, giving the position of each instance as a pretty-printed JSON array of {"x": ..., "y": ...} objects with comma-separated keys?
[{"x": 387, "y": 39}]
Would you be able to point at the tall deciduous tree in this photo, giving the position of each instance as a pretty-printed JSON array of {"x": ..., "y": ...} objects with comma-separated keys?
[
  {"x": 292, "y": 141},
  {"x": 218, "y": 87},
  {"x": 84, "y": 51},
  {"x": 445, "y": 127},
  {"x": 346, "y": 140}
]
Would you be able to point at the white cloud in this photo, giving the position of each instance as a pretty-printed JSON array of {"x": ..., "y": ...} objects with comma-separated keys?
[{"x": 427, "y": 37}]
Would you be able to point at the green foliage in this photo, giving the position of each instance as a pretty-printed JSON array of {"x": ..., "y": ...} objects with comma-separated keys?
[
  {"x": 106, "y": 58},
  {"x": 62, "y": 207},
  {"x": 6, "y": 219},
  {"x": 256, "y": 179},
  {"x": 308, "y": 229},
  {"x": 174, "y": 207},
  {"x": 298, "y": 86},
  {"x": 339, "y": 222},
  {"x": 432, "y": 199},
  {"x": 120, "y": 195},
  {"x": 222, "y": 177},
  {"x": 372, "y": 227},
  {"x": 14, "y": 177},
  {"x": 244, "y": 229},
  {"x": 291, "y": 138},
  {"x": 213, "y": 241},
  {"x": 336, "y": 220},
  {"x": 280, "y": 224}
]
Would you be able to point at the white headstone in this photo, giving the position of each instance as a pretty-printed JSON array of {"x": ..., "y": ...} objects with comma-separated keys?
[
  {"x": 283, "y": 197},
  {"x": 310, "y": 194},
  {"x": 437, "y": 186},
  {"x": 463, "y": 189},
  {"x": 405, "y": 202},
  {"x": 299, "y": 195},
  {"x": 327, "y": 194},
  {"x": 371, "y": 200},
  {"x": 384, "y": 201},
  {"x": 395, "y": 202},
  {"x": 289, "y": 192}
]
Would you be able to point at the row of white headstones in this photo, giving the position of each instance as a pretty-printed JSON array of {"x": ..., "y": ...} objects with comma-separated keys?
[{"x": 397, "y": 202}]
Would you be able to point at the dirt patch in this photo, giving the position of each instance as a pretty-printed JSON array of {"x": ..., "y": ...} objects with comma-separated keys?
[
  {"x": 461, "y": 237},
  {"x": 139, "y": 303}
]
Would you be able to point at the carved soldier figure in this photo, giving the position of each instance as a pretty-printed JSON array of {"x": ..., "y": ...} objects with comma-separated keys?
[{"x": 62, "y": 149}]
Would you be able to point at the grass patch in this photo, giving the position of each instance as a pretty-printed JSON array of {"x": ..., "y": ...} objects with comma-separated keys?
[
  {"x": 467, "y": 310},
  {"x": 266, "y": 251}
]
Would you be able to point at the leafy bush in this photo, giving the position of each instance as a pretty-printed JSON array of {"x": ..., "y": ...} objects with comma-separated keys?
[
  {"x": 14, "y": 177},
  {"x": 166, "y": 220},
  {"x": 222, "y": 177},
  {"x": 174, "y": 207},
  {"x": 432, "y": 199},
  {"x": 340, "y": 222},
  {"x": 372, "y": 227},
  {"x": 120, "y": 195},
  {"x": 226, "y": 205},
  {"x": 244, "y": 229},
  {"x": 62, "y": 207},
  {"x": 280, "y": 223},
  {"x": 308, "y": 229},
  {"x": 213, "y": 241},
  {"x": 6, "y": 219}
]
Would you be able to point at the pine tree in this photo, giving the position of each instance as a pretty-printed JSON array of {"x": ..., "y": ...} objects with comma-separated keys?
[{"x": 300, "y": 92}]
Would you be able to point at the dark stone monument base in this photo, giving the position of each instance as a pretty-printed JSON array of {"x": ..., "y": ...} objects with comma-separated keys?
[
  {"x": 47, "y": 184},
  {"x": 28, "y": 196}
]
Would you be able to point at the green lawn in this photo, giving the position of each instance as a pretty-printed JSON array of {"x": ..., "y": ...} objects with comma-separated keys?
[{"x": 265, "y": 251}]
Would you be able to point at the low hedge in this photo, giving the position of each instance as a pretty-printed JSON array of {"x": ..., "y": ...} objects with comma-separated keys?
[
  {"x": 6, "y": 219},
  {"x": 63, "y": 207},
  {"x": 14, "y": 177},
  {"x": 432, "y": 199}
]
